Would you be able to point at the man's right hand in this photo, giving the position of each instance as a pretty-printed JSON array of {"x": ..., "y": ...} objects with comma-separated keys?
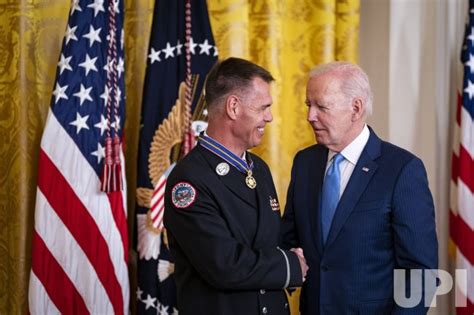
[{"x": 304, "y": 267}]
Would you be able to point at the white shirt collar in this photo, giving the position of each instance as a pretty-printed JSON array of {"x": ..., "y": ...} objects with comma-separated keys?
[{"x": 353, "y": 151}]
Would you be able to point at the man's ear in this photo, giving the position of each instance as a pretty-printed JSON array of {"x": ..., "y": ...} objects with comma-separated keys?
[
  {"x": 357, "y": 108},
  {"x": 232, "y": 106}
]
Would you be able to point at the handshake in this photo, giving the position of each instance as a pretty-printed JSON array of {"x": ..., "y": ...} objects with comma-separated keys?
[{"x": 304, "y": 267}]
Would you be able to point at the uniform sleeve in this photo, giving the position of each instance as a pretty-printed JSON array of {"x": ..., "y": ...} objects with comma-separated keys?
[
  {"x": 416, "y": 245},
  {"x": 204, "y": 238}
]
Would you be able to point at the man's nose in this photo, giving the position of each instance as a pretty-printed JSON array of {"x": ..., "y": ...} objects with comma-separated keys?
[
  {"x": 268, "y": 116},
  {"x": 312, "y": 114}
]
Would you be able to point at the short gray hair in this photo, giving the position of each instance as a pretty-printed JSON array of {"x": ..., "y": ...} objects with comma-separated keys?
[{"x": 354, "y": 81}]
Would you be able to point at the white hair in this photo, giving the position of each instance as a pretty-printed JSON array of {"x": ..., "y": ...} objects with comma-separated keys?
[{"x": 354, "y": 81}]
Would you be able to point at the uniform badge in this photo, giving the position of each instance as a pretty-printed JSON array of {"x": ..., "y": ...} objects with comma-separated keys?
[
  {"x": 222, "y": 168},
  {"x": 183, "y": 195},
  {"x": 274, "y": 204}
]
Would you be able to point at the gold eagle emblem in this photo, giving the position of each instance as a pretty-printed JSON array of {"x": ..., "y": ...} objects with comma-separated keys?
[{"x": 168, "y": 134}]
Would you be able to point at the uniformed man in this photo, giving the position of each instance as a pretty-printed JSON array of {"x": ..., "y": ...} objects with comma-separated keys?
[{"x": 222, "y": 212}]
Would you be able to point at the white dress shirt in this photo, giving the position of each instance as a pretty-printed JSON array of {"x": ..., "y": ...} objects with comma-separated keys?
[{"x": 351, "y": 155}]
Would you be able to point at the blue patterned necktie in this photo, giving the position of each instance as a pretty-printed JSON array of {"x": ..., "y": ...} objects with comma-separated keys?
[{"x": 330, "y": 195}]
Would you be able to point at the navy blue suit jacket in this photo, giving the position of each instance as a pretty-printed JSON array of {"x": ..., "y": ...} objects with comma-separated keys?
[{"x": 384, "y": 221}]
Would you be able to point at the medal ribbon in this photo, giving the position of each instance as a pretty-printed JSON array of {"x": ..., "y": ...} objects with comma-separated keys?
[{"x": 222, "y": 152}]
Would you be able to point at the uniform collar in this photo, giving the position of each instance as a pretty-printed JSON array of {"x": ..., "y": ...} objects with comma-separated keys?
[{"x": 243, "y": 157}]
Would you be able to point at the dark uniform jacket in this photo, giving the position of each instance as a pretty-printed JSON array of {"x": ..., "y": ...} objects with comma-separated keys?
[{"x": 223, "y": 238}]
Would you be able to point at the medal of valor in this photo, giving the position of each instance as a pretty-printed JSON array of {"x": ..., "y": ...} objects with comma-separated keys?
[
  {"x": 250, "y": 180},
  {"x": 223, "y": 168}
]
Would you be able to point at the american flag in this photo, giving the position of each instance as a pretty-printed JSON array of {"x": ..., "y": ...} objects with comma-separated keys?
[
  {"x": 462, "y": 178},
  {"x": 181, "y": 47},
  {"x": 80, "y": 242}
]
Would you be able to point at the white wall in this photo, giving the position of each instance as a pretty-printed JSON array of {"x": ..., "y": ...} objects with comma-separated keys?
[{"x": 410, "y": 50}]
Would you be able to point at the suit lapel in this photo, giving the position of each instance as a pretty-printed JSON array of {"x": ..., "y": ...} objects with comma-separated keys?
[
  {"x": 360, "y": 178},
  {"x": 234, "y": 180},
  {"x": 316, "y": 176}
]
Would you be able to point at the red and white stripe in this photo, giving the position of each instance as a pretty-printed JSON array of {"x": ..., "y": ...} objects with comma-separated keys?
[
  {"x": 462, "y": 203},
  {"x": 80, "y": 241},
  {"x": 158, "y": 203}
]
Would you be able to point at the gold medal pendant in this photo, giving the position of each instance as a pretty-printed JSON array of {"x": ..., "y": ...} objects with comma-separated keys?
[{"x": 250, "y": 181}]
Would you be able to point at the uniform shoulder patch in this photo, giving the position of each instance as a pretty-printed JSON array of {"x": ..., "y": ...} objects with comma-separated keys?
[{"x": 183, "y": 195}]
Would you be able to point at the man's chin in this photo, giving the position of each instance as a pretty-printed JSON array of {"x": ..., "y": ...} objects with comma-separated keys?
[
  {"x": 320, "y": 139},
  {"x": 257, "y": 142}
]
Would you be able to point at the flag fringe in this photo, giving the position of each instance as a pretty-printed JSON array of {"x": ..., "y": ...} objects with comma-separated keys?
[{"x": 111, "y": 179}]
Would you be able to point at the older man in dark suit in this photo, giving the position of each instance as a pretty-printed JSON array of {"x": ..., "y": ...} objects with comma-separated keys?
[{"x": 359, "y": 207}]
